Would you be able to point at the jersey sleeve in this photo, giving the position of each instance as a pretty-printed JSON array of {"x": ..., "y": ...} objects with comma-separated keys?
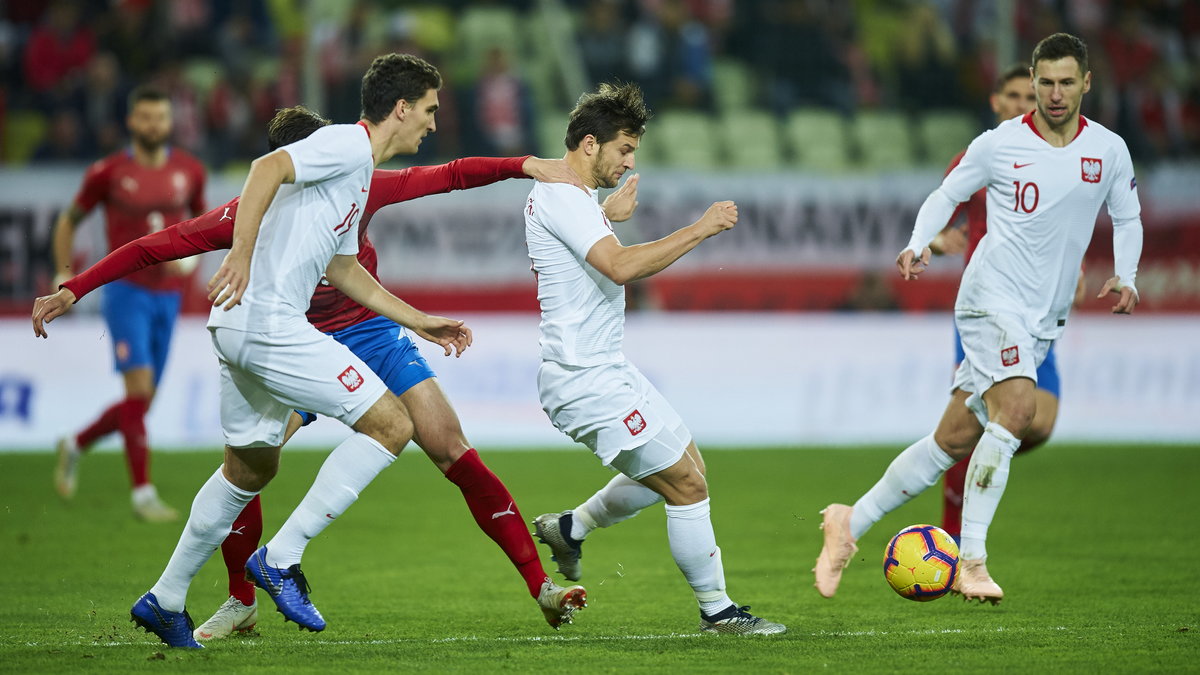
[
  {"x": 960, "y": 183},
  {"x": 392, "y": 187},
  {"x": 1126, "y": 210},
  {"x": 95, "y": 186},
  {"x": 208, "y": 232},
  {"x": 572, "y": 217},
  {"x": 329, "y": 152}
]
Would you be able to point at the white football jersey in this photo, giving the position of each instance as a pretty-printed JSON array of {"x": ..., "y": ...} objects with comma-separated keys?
[
  {"x": 307, "y": 223},
  {"x": 583, "y": 311},
  {"x": 1042, "y": 203}
]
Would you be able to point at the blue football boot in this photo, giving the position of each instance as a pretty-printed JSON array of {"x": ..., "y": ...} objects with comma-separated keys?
[
  {"x": 173, "y": 628},
  {"x": 288, "y": 588}
]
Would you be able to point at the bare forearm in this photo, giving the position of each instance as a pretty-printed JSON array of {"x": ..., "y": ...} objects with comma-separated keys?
[
  {"x": 358, "y": 285},
  {"x": 64, "y": 241},
  {"x": 266, "y": 175},
  {"x": 643, "y": 260}
]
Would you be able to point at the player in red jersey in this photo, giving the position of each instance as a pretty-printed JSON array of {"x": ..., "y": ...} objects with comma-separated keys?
[
  {"x": 438, "y": 431},
  {"x": 1012, "y": 97},
  {"x": 144, "y": 187}
]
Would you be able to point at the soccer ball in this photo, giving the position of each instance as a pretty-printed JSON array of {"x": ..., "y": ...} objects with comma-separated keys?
[{"x": 920, "y": 563}]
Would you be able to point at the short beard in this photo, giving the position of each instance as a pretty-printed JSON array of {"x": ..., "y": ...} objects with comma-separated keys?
[
  {"x": 602, "y": 180},
  {"x": 147, "y": 145}
]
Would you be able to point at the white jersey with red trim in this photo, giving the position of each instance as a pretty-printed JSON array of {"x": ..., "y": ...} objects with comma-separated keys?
[
  {"x": 1042, "y": 203},
  {"x": 308, "y": 222},
  {"x": 583, "y": 311}
]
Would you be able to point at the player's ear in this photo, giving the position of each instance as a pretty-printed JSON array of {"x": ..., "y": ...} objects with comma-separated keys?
[
  {"x": 1087, "y": 81},
  {"x": 401, "y": 109}
]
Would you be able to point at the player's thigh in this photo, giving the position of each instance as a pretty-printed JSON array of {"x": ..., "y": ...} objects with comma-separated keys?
[
  {"x": 436, "y": 426},
  {"x": 128, "y": 312},
  {"x": 959, "y": 429},
  {"x": 251, "y": 468},
  {"x": 387, "y": 422},
  {"x": 251, "y": 417},
  {"x": 610, "y": 408},
  {"x": 1000, "y": 367},
  {"x": 1012, "y": 403},
  {"x": 666, "y": 465},
  {"x": 302, "y": 368}
]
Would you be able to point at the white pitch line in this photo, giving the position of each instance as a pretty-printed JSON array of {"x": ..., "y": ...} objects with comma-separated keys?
[{"x": 560, "y": 638}]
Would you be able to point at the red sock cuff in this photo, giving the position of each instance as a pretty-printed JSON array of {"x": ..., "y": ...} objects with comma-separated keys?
[{"x": 466, "y": 469}]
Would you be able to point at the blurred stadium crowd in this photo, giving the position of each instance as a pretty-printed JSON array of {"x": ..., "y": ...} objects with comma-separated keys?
[{"x": 819, "y": 84}]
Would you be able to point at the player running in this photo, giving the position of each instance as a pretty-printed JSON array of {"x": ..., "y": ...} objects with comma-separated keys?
[
  {"x": 1046, "y": 174},
  {"x": 297, "y": 221},
  {"x": 587, "y": 387},
  {"x": 374, "y": 339},
  {"x": 1012, "y": 97},
  {"x": 143, "y": 187}
]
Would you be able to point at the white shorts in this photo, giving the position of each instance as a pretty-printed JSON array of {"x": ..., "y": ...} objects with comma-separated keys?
[
  {"x": 614, "y": 410},
  {"x": 997, "y": 348},
  {"x": 266, "y": 376}
]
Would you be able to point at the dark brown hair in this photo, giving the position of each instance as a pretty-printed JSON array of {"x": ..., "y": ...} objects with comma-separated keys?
[
  {"x": 1060, "y": 46},
  {"x": 292, "y": 124},
  {"x": 604, "y": 113},
  {"x": 392, "y": 77}
]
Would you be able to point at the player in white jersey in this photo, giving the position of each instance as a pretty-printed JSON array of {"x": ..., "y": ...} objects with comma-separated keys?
[
  {"x": 297, "y": 222},
  {"x": 1046, "y": 174},
  {"x": 588, "y": 389}
]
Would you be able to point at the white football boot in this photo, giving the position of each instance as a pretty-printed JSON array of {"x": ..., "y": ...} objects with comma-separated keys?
[{"x": 231, "y": 617}]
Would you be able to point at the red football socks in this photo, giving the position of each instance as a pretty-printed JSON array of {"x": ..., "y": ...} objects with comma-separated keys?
[
  {"x": 953, "y": 483},
  {"x": 104, "y": 425},
  {"x": 131, "y": 422},
  {"x": 497, "y": 515},
  {"x": 237, "y": 548}
]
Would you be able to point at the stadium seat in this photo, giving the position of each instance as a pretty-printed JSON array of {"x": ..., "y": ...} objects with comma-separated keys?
[
  {"x": 203, "y": 75},
  {"x": 733, "y": 85},
  {"x": 944, "y": 133},
  {"x": 551, "y": 130},
  {"x": 884, "y": 140},
  {"x": 752, "y": 138},
  {"x": 818, "y": 139},
  {"x": 481, "y": 28},
  {"x": 23, "y": 133},
  {"x": 686, "y": 139}
]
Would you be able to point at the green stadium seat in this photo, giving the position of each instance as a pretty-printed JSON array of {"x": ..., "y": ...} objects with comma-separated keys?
[
  {"x": 946, "y": 132},
  {"x": 686, "y": 139},
  {"x": 203, "y": 75},
  {"x": 884, "y": 140},
  {"x": 733, "y": 85},
  {"x": 818, "y": 139},
  {"x": 551, "y": 130},
  {"x": 752, "y": 138},
  {"x": 24, "y": 131}
]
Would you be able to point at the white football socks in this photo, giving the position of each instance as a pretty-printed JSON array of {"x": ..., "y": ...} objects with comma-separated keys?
[
  {"x": 918, "y": 467},
  {"x": 214, "y": 509},
  {"x": 987, "y": 475},
  {"x": 346, "y": 472},
  {"x": 694, "y": 547},
  {"x": 621, "y": 499}
]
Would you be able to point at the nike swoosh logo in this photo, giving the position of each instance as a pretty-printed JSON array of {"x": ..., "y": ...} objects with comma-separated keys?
[
  {"x": 1021, "y": 166},
  {"x": 273, "y": 589}
]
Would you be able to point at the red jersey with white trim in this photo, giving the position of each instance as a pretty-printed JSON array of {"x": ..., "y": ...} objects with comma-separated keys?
[
  {"x": 1042, "y": 203},
  {"x": 140, "y": 199},
  {"x": 331, "y": 310},
  {"x": 974, "y": 210}
]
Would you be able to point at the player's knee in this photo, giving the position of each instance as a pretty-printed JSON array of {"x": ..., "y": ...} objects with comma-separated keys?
[
  {"x": 1038, "y": 434},
  {"x": 956, "y": 443},
  {"x": 388, "y": 423}
]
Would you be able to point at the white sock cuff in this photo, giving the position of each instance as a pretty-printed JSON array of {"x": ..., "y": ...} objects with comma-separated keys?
[
  {"x": 940, "y": 457},
  {"x": 377, "y": 445},
  {"x": 237, "y": 492},
  {"x": 696, "y": 511},
  {"x": 1009, "y": 442}
]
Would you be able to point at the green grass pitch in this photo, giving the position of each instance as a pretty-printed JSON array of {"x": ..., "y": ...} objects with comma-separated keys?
[{"x": 1095, "y": 548}]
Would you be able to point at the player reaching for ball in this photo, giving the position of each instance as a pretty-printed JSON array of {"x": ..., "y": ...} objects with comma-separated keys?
[{"x": 1046, "y": 174}]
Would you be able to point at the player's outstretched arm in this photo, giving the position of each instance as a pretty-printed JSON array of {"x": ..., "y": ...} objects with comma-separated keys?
[
  {"x": 551, "y": 171},
  {"x": 620, "y": 205},
  {"x": 623, "y": 264},
  {"x": 267, "y": 173},
  {"x": 351, "y": 278},
  {"x": 49, "y": 307},
  {"x": 1129, "y": 295}
]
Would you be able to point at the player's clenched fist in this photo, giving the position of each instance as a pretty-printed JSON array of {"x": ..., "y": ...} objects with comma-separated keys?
[{"x": 720, "y": 216}]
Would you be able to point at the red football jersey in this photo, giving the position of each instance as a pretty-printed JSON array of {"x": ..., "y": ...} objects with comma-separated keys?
[
  {"x": 330, "y": 310},
  {"x": 139, "y": 200},
  {"x": 975, "y": 210}
]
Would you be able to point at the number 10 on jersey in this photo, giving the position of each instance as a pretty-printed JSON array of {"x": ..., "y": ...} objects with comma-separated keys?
[{"x": 1025, "y": 197}]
